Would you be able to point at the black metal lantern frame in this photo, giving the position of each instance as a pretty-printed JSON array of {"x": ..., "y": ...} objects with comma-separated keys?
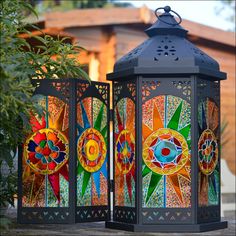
[
  {"x": 124, "y": 97},
  {"x": 208, "y": 110},
  {"x": 168, "y": 68},
  {"x": 197, "y": 217},
  {"x": 82, "y": 108},
  {"x": 174, "y": 87}
]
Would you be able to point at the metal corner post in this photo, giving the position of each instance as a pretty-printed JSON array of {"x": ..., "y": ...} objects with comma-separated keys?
[
  {"x": 72, "y": 151},
  {"x": 110, "y": 144},
  {"x": 113, "y": 150},
  {"x": 138, "y": 125},
  {"x": 194, "y": 148},
  {"x": 219, "y": 103}
]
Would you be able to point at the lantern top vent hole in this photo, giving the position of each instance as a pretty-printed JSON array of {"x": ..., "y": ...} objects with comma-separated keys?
[{"x": 166, "y": 51}]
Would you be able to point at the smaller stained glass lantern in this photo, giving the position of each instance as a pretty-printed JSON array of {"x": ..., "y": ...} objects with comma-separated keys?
[
  {"x": 64, "y": 163},
  {"x": 166, "y": 110}
]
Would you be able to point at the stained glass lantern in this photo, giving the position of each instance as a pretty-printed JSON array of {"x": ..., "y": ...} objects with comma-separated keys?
[
  {"x": 166, "y": 111},
  {"x": 63, "y": 169}
]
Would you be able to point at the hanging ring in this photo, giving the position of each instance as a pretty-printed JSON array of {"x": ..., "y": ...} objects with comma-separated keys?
[{"x": 167, "y": 9}]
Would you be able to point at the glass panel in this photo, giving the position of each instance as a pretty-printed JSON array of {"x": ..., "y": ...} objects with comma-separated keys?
[
  {"x": 124, "y": 121},
  {"x": 166, "y": 152},
  {"x": 45, "y": 159},
  {"x": 92, "y": 153},
  {"x": 208, "y": 151}
]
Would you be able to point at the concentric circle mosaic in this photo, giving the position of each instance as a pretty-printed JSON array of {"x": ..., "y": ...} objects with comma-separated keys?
[
  {"x": 165, "y": 151},
  {"x": 207, "y": 152},
  {"x": 46, "y": 151},
  {"x": 124, "y": 153},
  {"x": 91, "y": 150}
]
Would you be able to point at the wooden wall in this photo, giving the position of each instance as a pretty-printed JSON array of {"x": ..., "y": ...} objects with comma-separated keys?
[{"x": 126, "y": 40}]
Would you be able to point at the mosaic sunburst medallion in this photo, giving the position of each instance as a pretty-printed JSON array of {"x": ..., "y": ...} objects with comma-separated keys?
[
  {"x": 124, "y": 152},
  {"x": 91, "y": 150},
  {"x": 208, "y": 152},
  {"x": 46, "y": 151},
  {"x": 165, "y": 151}
]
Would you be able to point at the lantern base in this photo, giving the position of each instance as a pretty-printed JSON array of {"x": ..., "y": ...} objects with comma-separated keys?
[{"x": 180, "y": 228}]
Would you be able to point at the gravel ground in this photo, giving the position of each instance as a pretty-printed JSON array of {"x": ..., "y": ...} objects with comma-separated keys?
[{"x": 94, "y": 229}]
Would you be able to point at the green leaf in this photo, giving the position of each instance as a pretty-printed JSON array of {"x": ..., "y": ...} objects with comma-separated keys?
[
  {"x": 30, "y": 8},
  {"x": 42, "y": 47},
  {"x": 41, "y": 39},
  {"x": 84, "y": 74}
]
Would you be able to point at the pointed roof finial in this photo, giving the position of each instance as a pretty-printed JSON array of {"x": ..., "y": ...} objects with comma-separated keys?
[
  {"x": 167, "y": 9},
  {"x": 166, "y": 23}
]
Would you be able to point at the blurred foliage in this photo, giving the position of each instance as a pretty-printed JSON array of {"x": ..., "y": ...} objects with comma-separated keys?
[
  {"x": 42, "y": 6},
  {"x": 17, "y": 67},
  {"x": 5, "y": 222},
  {"x": 227, "y": 10},
  {"x": 8, "y": 182}
]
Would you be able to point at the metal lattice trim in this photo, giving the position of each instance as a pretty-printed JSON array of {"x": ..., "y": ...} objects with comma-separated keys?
[
  {"x": 81, "y": 88},
  {"x": 206, "y": 86},
  {"x": 132, "y": 89},
  {"x": 124, "y": 214},
  {"x": 93, "y": 89},
  {"x": 54, "y": 87},
  {"x": 124, "y": 89},
  {"x": 148, "y": 87},
  {"x": 43, "y": 215},
  {"x": 103, "y": 91},
  {"x": 117, "y": 87},
  {"x": 170, "y": 216},
  {"x": 62, "y": 87},
  {"x": 184, "y": 87},
  {"x": 208, "y": 214},
  {"x": 92, "y": 213}
]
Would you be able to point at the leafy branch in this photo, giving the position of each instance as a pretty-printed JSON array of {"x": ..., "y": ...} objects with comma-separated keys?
[{"x": 19, "y": 64}]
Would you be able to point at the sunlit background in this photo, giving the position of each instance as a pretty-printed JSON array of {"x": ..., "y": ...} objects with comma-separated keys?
[{"x": 218, "y": 14}]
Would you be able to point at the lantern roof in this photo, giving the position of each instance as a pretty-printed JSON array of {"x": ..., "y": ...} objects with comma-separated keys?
[{"x": 167, "y": 51}]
